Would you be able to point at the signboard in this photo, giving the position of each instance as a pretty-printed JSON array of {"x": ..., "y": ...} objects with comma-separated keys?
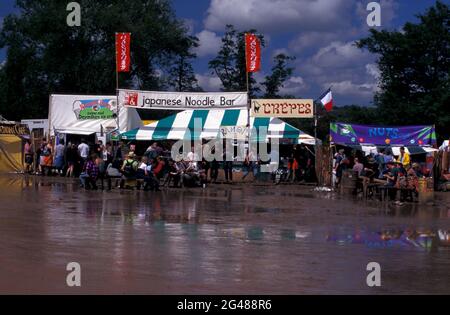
[
  {"x": 182, "y": 100},
  {"x": 94, "y": 108},
  {"x": 382, "y": 135},
  {"x": 284, "y": 108},
  {"x": 234, "y": 132},
  {"x": 14, "y": 129}
]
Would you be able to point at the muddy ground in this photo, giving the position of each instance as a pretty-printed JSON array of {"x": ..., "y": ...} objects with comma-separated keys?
[{"x": 225, "y": 239}]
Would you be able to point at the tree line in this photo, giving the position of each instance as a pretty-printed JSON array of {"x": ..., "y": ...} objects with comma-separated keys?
[{"x": 46, "y": 56}]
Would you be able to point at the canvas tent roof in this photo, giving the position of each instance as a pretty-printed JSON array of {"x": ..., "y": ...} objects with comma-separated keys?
[
  {"x": 181, "y": 126},
  {"x": 63, "y": 118}
]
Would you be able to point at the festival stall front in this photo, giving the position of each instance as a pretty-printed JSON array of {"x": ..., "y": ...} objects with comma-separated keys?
[
  {"x": 88, "y": 114},
  {"x": 11, "y": 144},
  {"x": 212, "y": 124},
  {"x": 366, "y": 138}
]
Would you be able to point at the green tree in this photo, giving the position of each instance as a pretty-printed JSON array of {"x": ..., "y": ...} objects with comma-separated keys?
[
  {"x": 45, "y": 55},
  {"x": 415, "y": 70},
  {"x": 229, "y": 64},
  {"x": 280, "y": 73},
  {"x": 181, "y": 75}
]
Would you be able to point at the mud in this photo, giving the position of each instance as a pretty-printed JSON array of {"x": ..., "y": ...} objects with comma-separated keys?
[{"x": 225, "y": 239}]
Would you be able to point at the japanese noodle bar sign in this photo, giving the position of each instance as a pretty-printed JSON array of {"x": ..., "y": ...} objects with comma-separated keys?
[
  {"x": 182, "y": 100},
  {"x": 296, "y": 108}
]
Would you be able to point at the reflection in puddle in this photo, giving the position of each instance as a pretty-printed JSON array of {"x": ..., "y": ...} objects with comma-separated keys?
[{"x": 422, "y": 239}]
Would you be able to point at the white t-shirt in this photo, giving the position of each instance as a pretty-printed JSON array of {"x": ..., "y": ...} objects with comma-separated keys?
[
  {"x": 83, "y": 150},
  {"x": 191, "y": 156}
]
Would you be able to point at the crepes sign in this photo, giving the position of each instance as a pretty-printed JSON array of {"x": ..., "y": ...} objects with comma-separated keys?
[
  {"x": 295, "y": 108},
  {"x": 14, "y": 129},
  {"x": 182, "y": 100}
]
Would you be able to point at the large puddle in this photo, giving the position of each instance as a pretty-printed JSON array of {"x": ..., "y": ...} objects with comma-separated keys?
[{"x": 224, "y": 239}]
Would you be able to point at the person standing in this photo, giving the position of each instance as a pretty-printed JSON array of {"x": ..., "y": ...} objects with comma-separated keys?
[
  {"x": 228, "y": 157},
  {"x": 404, "y": 157},
  {"x": 71, "y": 158},
  {"x": 28, "y": 152},
  {"x": 83, "y": 151},
  {"x": 59, "y": 157}
]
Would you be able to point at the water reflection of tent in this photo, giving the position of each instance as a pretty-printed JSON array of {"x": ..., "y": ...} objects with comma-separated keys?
[{"x": 181, "y": 126}]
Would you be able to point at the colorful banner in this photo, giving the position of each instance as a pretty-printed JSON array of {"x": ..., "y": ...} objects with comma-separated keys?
[
  {"x": 252, "y": 52},
  {"x": 296, "y": 108},
  {"x": 123, "y": 54},
  {"x": 182, "y": 100},
  {"x": 94, "y": 108},
  {"x": 382, "y": 135}
]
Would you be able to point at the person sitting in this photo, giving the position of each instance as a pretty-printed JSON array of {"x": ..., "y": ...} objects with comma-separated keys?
[
  {"x": 358, "y": 167},
  {"x": 175, "y": 172},
  {"x": 158, "y": 168},
  {"x": 90, "y": 173},
  {"x": 191, "y": 175},
  {"x": 145, "y": 173}
]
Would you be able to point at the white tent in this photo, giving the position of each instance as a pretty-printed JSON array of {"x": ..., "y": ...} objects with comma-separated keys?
[{"x": 88, "y": 114}]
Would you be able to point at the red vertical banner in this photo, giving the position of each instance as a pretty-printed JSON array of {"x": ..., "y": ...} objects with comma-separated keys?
[
  {"x": 123, "y": 54},
  {"x": 252, "y": 52}
]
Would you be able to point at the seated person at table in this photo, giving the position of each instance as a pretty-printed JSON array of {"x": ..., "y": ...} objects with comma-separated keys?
[
  {"x": 175, "y": 172},
  {"x": 358, "y": 167},
  {"x": 390, "y": 175},
  {"x": 191, "y": 175}
]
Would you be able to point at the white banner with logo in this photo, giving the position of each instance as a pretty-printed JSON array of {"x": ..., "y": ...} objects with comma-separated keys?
[
  {"x": 234, "y": 132},
  {"x": 296, "y": 108},
  {"x": 182, "y": 100}
]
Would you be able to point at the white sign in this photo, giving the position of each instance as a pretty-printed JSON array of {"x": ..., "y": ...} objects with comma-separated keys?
[
  {"x": 182, "y": 100},
  {"x": 234, "y": 132}
]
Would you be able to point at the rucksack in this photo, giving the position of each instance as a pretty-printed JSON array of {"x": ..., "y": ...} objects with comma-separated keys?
[{"x": 128, "y": 169}]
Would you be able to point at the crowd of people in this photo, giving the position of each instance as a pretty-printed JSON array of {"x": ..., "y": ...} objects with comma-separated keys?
[
  {"x": 382, "y": 168},
  {"x": 100, "y": 163}
]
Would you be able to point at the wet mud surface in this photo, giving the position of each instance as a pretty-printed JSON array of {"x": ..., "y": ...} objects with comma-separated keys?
[{"x": 225, "y": 239}]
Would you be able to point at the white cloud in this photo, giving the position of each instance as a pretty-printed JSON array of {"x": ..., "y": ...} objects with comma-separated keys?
[
  {"x": 209, "y": 43},
  {"x": 293, "y": 86},
  {"x": 278, "y": 15},
  {"x": 372, "y": 69},
  {"x": 209, "y": 82},
  {"x": 348, "y": 88}
]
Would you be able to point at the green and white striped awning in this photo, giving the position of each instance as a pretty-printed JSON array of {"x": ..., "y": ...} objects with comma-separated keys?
[{"x": 181, "y": 126}]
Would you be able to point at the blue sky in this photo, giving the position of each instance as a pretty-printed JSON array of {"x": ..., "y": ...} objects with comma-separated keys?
[{"x": 319, "y": 33}]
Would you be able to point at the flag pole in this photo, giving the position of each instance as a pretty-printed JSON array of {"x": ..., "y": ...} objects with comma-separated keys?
[
  {"x": 117, "y": 89},
  {"x": 248, "y": 96}
]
